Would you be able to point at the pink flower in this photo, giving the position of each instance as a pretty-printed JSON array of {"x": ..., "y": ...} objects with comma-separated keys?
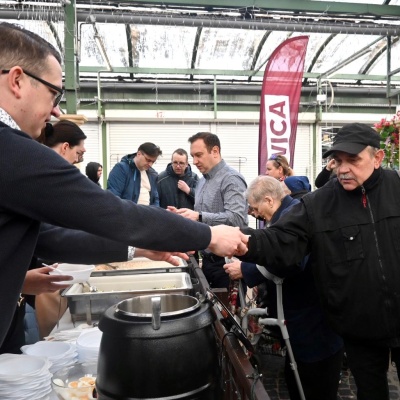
[{"x": 389, "y": 130}]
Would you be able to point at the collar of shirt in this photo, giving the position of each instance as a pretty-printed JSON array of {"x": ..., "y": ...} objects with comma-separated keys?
[
  {"x": 6, "y": 118},
  {"x": 210, "y": 174}
]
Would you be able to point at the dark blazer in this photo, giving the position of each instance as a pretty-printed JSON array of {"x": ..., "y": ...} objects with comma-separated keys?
[{"x": 37, "y": 185}]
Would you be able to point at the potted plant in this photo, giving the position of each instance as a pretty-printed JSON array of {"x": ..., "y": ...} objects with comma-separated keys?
[{"x": 389, "y": 132}]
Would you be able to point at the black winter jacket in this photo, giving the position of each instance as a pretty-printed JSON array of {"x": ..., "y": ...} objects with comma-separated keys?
[
  {"x": 353, "y": 238},
  {"x": 168, "y": 192}
]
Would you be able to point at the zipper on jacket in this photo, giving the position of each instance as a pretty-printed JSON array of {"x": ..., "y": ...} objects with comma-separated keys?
[
  {"x": 385, "y": 289},
  {"x": 363, "y": 197}
]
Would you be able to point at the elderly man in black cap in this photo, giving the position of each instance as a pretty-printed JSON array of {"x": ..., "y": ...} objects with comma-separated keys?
[{"x": 350, "y": 226}]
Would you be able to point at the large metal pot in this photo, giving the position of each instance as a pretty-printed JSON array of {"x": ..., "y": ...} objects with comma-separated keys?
[{"x": 158, "y": 347}]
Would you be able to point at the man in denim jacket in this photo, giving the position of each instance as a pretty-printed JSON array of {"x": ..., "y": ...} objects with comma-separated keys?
[{"x": 134, "y": 179}]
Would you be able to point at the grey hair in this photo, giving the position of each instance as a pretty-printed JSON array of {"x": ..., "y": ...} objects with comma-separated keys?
[{"x": 263, "y": 186}]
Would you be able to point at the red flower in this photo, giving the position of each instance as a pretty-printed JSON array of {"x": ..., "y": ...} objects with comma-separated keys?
[{"x": 389, "y": 132}]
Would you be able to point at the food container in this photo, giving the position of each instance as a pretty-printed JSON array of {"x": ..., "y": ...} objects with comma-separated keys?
[
  {"x": 115, "y": 288},
  {"x": 75, "y": 382},
  {"x": 140, "y": 265},
  {"x": 80, "y": 272},
  {"x": 159, "y": 347}
]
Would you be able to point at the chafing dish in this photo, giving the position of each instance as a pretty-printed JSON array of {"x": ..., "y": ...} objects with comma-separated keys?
[{"x": 112, "y": 289}]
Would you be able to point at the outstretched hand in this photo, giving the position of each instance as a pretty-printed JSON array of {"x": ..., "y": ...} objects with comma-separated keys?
[
  {"x": 185, "y": 212},
  {"x": 169, "y": 257}
]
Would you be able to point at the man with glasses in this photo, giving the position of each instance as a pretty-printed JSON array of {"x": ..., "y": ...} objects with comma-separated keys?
[
  {"x": 176, "y": 185},
  {"x": 37, "y": 185},
  {"x": 134, "y": 179},
  {"x": 58, "y": 92}
]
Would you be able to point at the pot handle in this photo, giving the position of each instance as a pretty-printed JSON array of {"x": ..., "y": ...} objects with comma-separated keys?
[{"x": 156, "y": 315}]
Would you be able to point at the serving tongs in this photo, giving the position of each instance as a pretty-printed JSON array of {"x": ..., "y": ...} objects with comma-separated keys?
[{"x": 88, "y": 288}]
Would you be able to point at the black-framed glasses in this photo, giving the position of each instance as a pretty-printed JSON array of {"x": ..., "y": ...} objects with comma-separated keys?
[
  {"x": 60, "y": 91},
  {"x": 180, "y": 163},
  {"x": 148, "y": 160}
]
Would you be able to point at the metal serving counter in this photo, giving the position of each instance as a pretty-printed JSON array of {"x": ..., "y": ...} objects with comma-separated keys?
[{"x": 240, "y": 379}]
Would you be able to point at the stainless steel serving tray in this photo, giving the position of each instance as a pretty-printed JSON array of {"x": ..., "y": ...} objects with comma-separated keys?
[
  {"x": 114, "y": 288},
  {"x": 139, "y": 265}
]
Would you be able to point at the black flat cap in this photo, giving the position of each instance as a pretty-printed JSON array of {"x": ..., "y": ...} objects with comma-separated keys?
[{"x": 354, "y": 138}]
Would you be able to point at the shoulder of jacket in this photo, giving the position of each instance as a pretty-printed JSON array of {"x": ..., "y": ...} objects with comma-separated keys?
[
  {"x": 152, "y": 171},
  {"x": 390, "y": 172},
  {"x": 162, "y": 176},
  {"x": 191, "y": 176},
  {"x": 120, "y": 166}
]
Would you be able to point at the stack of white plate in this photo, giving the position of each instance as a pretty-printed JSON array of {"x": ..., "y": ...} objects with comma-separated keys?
[
  {"x": 88, "y": 345},
  {"x": 24, "y": 377},
  {"x": 60, "y": 354}
]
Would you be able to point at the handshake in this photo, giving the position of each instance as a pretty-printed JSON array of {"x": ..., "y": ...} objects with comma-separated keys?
[{"x": 228, "y": 241}]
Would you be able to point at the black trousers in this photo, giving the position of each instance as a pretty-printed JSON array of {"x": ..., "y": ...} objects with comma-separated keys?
[
  {"x": 320, "y": 379},
  {"x": 15, "y": 337},
  {"x": 214, "y": 272},
  {"x": 369, "y": 364}
]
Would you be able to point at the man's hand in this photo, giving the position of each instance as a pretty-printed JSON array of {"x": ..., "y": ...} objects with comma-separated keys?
[
  {"x": 227, "y": 241},
  {"x": 161, "y": 256},
  {"x": 182, "y": 185},
  {"x": 39, "y": 281},
  {"x": 331, "y": 165},
  {"x": 233, "y": 269},
  {"x": 185, "y": 212}
]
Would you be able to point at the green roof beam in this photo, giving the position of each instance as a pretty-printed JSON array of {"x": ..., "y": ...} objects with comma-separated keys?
[
  {"x": 290, "y": 6},
  {"x": 219, "y": 72}
]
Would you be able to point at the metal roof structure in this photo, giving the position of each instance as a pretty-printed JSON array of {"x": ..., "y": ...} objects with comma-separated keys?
[{"x": 353, "y": 45}]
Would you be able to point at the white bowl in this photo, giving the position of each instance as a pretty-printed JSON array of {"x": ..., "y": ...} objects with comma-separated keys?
[
  {"x": 88, "y": 345},
  {"x": 80, "y": 272},
  {"x": 14, "y": 367}
]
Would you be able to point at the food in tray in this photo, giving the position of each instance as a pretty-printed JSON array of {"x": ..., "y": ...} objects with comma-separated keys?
[
  {"x": 138, "y": 263},
  {"x": 114, "y": 288},
  {"x": 103, "y": 267},
  {"x": 86, "y": 289}
]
